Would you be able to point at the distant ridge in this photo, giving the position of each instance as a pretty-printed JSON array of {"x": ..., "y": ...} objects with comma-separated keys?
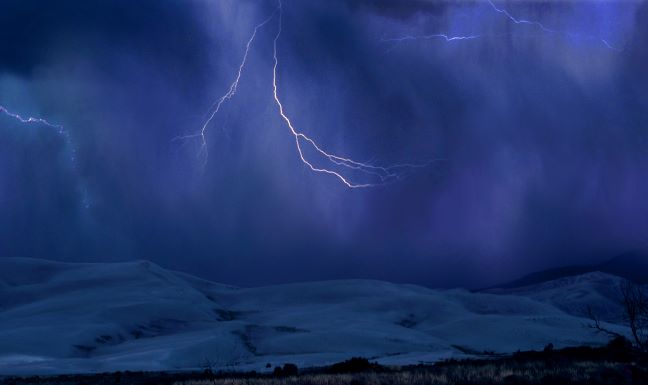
[{"x": 631, "y": 265}]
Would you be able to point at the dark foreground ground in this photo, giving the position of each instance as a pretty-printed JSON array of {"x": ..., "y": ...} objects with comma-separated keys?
[{"x": 616, "y": 363}]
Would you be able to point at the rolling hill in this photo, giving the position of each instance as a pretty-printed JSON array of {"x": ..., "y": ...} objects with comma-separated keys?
[{"x": 69, "y": 318}]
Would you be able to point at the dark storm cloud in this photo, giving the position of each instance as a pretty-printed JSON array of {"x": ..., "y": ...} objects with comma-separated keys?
[
  {"x": 542, "y": 137},
  {"x": 34, "y": 31},
  {"x": 402, "y": 9},
  {"x": 79, "y": 63}
]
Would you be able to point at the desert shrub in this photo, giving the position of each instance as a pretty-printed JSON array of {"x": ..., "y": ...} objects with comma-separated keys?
[
  {"x": 290, "y": 370},
  {"x": 286, "y": 371},
  {"x": 355, "y": 365}
]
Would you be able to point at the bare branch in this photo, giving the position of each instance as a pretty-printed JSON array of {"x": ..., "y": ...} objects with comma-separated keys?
[{"x": 597, "y": 324}]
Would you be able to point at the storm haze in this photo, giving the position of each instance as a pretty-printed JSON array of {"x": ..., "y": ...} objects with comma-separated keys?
[{"x": 534, "y": 135}]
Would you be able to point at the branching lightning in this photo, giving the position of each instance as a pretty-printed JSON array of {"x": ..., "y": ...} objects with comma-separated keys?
[
  {"x": 380, "y": 174},
  {"x": 383, "y": 173},
  {"x": 447, "y": 38},
  {"x": 231, "y": 91}
]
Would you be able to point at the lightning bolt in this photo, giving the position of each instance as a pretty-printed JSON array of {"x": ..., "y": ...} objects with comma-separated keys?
[
  {"x": 550, "y": 30},
  {"x": 443, "y": 36},
  {"x": 520, "y": 21},
  {"x": 515, "y": 20},
  {"x": 231, "y": 91},
  {"x": 61, "y": 131},
  {"x": 382, "y": 174},
  {"x": 29, "y": 119}
]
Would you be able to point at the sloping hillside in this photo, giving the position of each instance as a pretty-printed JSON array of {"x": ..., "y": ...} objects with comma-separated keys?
[{"x": 58, "y": 318}]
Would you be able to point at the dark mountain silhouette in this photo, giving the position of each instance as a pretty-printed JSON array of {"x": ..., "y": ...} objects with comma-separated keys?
[{"x": 631, "y": 265}]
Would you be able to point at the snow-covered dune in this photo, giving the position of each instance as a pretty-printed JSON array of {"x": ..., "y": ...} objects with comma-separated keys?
[{"x": 59, "y": 318}]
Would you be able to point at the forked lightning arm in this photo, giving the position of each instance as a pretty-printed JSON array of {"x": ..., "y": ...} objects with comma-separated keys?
[{"x": 337, "y": 163}]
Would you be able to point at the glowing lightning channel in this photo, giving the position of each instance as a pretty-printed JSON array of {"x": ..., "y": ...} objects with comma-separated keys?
[
  {"x": 383, "y": 173},
  {"x": 231, "y": 91},
  {"x": 542, "y": 27},
  {"x": 299, "y": 135}
]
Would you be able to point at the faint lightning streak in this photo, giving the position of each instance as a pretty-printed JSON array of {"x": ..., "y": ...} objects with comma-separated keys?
[
  {"x": 231, "y": 91},
  {"x": 59, "y": 130},
  {"x": 520, "y": 21},
  {"x": 549, "y": 30},
  {"x": 443, "y": 36},
  {"x": 542, "y": 27},
  {"x": 30, "y": 119}
]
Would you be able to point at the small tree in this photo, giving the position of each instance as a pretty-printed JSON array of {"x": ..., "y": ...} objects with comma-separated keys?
[
  {"x": 634, "y": 300},
  {"x": 290, "y": 370},
  {"x": 596, "y": 324},
  {"x": 635, "y": 305}
]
